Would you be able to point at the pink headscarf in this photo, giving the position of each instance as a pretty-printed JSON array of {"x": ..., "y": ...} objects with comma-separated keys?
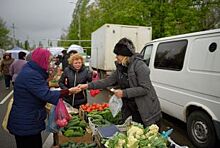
[{"x": 41, "y": 56}]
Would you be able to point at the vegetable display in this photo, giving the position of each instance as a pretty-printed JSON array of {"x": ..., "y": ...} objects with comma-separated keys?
[
  {"x": 75, "y": 127},
  {"x": 95, "y": 106},
  {"x": 137, "y": 137},
  {"x": 104, "y": 115},
  {"x": 77, "y": 145}
]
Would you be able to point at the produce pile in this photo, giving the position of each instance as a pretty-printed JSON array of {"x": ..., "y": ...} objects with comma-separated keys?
[
  {"x": 95, "y": 106},
  {"x": 75, "y": 127},
  {"x": 77, "y": 145},
  {"x": 137, "y": 137},
  {"x": 103, "y": 117}
]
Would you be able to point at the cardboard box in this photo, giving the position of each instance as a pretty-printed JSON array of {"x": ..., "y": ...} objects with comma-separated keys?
[{"x": 87, "y": 138}]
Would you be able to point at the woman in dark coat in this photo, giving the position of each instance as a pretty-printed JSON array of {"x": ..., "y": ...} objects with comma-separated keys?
[
  {"x": 135, "y": 88},
  {"x": 4, "y": 68},
  {"x": 31, "y": 93},
  {"x": 75, "y": 73}
]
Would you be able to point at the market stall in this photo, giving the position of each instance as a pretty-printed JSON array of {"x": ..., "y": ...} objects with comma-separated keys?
[
  {"x": 94, "y": 126},
  {"x": 14, "y": 51}
]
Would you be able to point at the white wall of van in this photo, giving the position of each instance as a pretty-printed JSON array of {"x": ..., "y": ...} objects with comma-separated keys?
[{"x": 185, "y": 71}]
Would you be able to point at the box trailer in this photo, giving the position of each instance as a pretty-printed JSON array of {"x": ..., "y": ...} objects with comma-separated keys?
[{"x": 105, "y": 38}]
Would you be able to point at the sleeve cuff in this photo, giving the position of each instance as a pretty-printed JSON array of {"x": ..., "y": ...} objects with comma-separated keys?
[{"x": 64, "y": 92}]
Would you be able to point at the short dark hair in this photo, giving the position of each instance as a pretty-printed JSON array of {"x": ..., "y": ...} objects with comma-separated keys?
[{"x": 21, "y": 55}]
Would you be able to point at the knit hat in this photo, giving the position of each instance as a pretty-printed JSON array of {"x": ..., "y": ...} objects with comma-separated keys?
[
  {"x": 41, "y": 56},
  {"x": 124, "y": 47}
]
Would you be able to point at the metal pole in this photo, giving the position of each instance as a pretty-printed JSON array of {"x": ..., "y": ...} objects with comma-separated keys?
[
  {"x": 79, "y": 27},
  {"x": 13, "y": 27}
]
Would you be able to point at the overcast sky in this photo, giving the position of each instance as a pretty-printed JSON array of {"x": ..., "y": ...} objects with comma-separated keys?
[{"x": 37, "y": 20}]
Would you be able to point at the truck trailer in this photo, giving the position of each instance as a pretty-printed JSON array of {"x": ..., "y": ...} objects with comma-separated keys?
[{"x": 105, "y": 38}]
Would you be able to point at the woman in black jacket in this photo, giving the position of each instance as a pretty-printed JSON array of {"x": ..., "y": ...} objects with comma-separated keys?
[{"x": 75, "y": 73}]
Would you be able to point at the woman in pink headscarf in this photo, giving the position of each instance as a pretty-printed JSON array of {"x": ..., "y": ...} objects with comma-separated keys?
[{"x": 31, "y": 93}]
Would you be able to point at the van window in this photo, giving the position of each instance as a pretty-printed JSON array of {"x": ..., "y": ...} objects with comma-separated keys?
[
  {"x": 147, "y": 53},
  {"x": 170, "y": 55}
]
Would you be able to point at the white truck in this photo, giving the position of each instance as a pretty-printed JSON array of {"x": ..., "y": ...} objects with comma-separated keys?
[{"x": 105, "y": 38}]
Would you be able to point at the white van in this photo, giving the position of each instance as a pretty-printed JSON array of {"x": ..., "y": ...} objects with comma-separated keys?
[{"x": 185, "y": 71}]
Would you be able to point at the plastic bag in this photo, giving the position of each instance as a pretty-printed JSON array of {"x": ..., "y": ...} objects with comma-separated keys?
[
  {"x": 5, "y": 120},
  {"x": 70, "y": 109},
  {"x": 94, "y": 92},
  {"x": 115, "y": 105},
  {"x": 52, "y": 126},
  {"x": 62, "y": 116}
]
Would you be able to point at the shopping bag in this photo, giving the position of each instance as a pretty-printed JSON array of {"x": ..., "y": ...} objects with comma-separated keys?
[
  {"x": 94, "y": 92},
  {"x": 51, "y": 124},
  {"x": 115, "y": 105},
  {"x": 62, "y": 116},
  {"x": 5, "y": 120}
]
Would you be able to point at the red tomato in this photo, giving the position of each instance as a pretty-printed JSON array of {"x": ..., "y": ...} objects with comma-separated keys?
[
  {"x": 89, "y": 110},
  {"x": 100, "y": 108},
  {"x": 94, "y": 107}
]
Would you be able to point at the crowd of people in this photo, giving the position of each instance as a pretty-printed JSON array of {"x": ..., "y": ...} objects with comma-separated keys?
[{"x": 31, "y": 90}]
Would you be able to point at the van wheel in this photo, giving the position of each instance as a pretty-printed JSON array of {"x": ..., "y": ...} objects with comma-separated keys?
[{"x": 201, "y": 130}]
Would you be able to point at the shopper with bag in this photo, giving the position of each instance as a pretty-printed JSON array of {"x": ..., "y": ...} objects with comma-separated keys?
[
  {"x": 31, "y": 93},
  {"x": 135, "y": 88},
  {"x": 76, "y": 73}
]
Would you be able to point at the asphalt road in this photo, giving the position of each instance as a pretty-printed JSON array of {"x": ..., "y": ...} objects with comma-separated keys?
[
  {"x": 179, "y": 134},
  {"x": 6, "y": 140}
]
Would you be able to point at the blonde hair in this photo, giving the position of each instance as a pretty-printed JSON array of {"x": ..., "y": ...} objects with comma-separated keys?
[
  {"x": 125, "y": 60},
  {"x": 75, "y": 57}
]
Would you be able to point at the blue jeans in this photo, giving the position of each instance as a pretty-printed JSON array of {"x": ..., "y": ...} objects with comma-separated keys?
[{"x": 7, "y": 80}]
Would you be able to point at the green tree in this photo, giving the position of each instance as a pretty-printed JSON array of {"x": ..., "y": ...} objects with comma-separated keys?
[
  {"x": 166, "y": 17},
  {"x": 5, "y": 40}
]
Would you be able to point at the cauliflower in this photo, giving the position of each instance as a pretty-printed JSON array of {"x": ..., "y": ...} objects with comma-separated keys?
[
  {"x": 135, "y": 131},
  {"x": 120, "y": 143},
  {"x": 132, "y": 142},
  {"x": 154, "y": 128}
]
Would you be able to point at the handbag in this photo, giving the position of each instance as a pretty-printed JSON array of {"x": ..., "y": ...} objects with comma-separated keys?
[{"x": 5, "y": 120}]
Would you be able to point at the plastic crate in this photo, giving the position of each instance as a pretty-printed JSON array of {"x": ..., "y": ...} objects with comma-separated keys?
[{"x": 175, "y": 145}]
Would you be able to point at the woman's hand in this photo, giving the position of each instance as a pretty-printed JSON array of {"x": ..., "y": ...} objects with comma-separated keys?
[
  {"x": 83, "y": 86},
  {"x": 118, "y": 93},
  {"x": 75, "y": 90}
]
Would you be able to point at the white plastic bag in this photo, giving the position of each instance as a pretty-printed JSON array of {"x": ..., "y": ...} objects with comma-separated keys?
[{"x": 115, "y": 105}]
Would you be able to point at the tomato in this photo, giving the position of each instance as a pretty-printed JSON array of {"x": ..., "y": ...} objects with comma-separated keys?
[
  {"x": 88, "y": 110},
  {"x": 94, "y": 107},
  {"x": 100, "y": 108},
  {"x": 87, "y": 105},
  {"x": 84, "y": 107},
  {"x": 105, "y": 105}
]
